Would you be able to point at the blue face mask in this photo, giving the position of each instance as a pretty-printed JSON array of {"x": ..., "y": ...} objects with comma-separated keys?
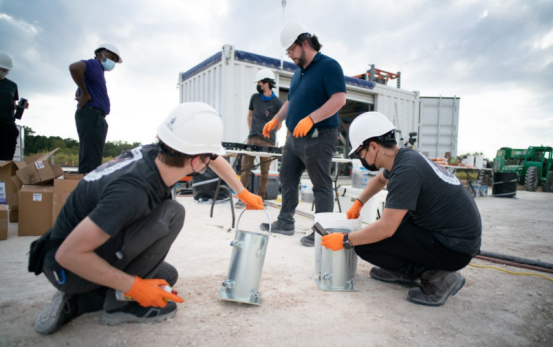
[{"x": 108, "y": 64}]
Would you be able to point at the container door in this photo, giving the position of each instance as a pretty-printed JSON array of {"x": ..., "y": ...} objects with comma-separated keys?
[{"x": 438, "y": 126}]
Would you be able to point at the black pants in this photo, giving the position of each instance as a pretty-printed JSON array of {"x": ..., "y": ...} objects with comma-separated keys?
[
  {"x": 313, "y": 155},
  {"x": 8, "y": 141},
  {"x": 143, "y": 246},
  {"x": 411, "y": 251},
  {"x": 92, "y": 129}
]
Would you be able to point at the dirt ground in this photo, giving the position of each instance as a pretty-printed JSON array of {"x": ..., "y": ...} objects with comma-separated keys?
[{"x": 493, "y": 309}]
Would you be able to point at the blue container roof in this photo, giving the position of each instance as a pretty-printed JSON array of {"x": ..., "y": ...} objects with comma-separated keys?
[{"x": 267, "y": 62}]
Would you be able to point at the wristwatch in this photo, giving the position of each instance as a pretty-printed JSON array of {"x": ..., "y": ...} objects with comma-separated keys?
[{"x": 345, "y": 243}]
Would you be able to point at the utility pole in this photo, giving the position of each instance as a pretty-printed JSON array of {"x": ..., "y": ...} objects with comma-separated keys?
[{"x": 284, "y": 4}]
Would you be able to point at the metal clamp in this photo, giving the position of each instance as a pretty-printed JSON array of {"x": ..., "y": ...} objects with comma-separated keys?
[
  {"x": 237, "y": 244},
  {"x": 228, "y": 284}
]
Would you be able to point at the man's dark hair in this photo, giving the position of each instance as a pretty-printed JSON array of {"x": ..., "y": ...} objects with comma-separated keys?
[
  {"x": 312, "y": 41},
  {"x": 174, "y": 158},
  {"x": 387, "y": 141},
  {"x": 271, "y": 82}
]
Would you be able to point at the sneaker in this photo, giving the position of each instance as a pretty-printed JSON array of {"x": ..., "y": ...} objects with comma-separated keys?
[
  {"x": 278, "y": 227},
  {"x": 435, "y": 288},
  {"x": 383, "y": 275},
  {"x": 59, "y": 312},
  {"x": 135, "y": 313},
  {"x": 240, "y": 205},
  {"x": 308, "y": 240}
]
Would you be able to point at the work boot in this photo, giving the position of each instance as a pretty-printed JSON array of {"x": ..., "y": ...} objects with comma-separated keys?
[
  {"x": 308, "y": 240},
  {"x": 435, "y": 287},
  {"x": 59, "y": 312},
  {"x": 279, "y": 227},
  {"x": 240, "y": 205},
  {"x": 383, "y": 275},
  {"x": 135, "y": 313}
]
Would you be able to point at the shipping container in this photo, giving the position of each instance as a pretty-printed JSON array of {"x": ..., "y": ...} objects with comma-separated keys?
[
  {"x": 438, "y": 125},
  {"x": 226, "y": 81}
]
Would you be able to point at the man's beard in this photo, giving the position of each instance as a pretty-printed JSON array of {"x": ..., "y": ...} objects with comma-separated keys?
[{"x": 302, "y": 59}]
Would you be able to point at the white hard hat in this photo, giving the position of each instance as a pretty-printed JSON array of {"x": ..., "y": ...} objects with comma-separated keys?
[
  {"x": 368, "y": 125},
  {"x": 111, "y": 48},
  {"x": 265, "y": 74},
  {"x": 290, "y": 33},
  {"x": 6, "y": 62},
  {"x": 192, "y": 129}
]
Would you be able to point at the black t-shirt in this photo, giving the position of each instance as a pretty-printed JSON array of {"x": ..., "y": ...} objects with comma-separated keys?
[
  {"x": 116, "y": 194},
  {"x": 436, "y": 199},
  {"x": 8, "y": 95},
  {"x": 262, "y": 113}
]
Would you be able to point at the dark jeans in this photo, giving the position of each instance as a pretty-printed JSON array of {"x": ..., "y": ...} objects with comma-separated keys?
[
  {"x": 144, "y": 246},
  {"x": 313, "y": 155},
  {"x": 411, "y": 251},
  {"x": 8, "y": 141},
  {"x": 92, "y": 129}
]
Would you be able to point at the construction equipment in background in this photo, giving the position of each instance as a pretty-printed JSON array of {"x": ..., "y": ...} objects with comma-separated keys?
[
  {"x": 379, "y": 76},
  {"x": 533, "y": 166}
]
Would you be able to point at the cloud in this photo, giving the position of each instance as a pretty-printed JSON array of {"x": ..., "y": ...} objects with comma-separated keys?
[{"x": 495, "y": 55}]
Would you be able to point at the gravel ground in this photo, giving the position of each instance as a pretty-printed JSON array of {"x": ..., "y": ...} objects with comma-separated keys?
[{"x": 493, "y": 309}]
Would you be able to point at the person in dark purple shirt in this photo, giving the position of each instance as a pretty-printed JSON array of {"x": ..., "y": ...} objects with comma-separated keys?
[{"x": 93, "y": 104}]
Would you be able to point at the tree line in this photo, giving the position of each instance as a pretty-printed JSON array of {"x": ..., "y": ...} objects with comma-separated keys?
[{"x": 68, "y": 153}]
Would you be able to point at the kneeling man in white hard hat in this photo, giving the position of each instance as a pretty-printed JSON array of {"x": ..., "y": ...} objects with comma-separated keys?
[
  {"x": 430, "y": 227},
  {"x": 114, "y": 231}
]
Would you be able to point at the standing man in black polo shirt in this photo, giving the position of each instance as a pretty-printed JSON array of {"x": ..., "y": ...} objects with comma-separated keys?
[
  {"x": 317, "y": 92},
  {"x": 430, "y": 227},
  {"x": 93, "y": 104},
  {"x": 8, "y": 97},
  {"x": 263, "y": 107}
]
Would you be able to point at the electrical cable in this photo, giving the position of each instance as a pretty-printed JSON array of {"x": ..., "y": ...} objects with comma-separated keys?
[{"x": 516, "y": 273}]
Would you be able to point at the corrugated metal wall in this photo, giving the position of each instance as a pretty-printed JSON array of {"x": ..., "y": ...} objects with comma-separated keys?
[{"x": 438, "y": 125}]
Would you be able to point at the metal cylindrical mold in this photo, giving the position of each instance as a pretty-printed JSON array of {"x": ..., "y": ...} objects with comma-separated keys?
[
  {"x": 245, "y": 268},
  {"x": 336, "y": 268}
]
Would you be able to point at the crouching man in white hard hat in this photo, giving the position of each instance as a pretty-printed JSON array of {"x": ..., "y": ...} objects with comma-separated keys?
[
  {"x": 119, "y": 223},
  {"x": 264, "y": 105},
  {"x": 430, "y": 227},
  {"x": 93, "y": 104}
]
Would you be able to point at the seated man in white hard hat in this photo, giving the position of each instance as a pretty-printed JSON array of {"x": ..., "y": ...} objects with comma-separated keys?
[
  {"x": 430, "y": 227},
  {"x": 117, "y": 226},
  {"x": 93, "y": 104},
  {"x": 264, "y": 105}
]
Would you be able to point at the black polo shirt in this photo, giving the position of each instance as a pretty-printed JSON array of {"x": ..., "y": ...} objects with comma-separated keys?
[{"x": 312, "y": 87}]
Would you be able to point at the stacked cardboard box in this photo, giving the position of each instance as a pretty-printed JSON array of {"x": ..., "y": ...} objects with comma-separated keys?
[{"x": 36, "y": 192}]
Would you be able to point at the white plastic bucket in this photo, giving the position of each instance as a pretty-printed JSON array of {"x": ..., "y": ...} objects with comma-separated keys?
[
  {"x": 479, "y": 162},
  {"x": 306, "y": 191},
  {"x": 470, "y": 160},
  {"x": 368, "y": 214},
  {"x": 360, "y": 175}
]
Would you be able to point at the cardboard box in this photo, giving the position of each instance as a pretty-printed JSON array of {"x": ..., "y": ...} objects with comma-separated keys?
[
  {"x": 3, "y": 222},
  {"x": 62, "y": 189},
  {"x": 7, "y": 170},
  {"x": 35, "y": 210},
  {"x": 14, "y": 214},
  {"x": 39, "y": 172}
]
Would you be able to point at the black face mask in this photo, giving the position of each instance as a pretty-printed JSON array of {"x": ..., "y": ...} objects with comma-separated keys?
[
  {"x": 259, "y": 89},
  {"x": 370, "y": 167}
]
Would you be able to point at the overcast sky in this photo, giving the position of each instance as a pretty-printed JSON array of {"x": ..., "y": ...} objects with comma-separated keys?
[{"x": 495, "y": 55}]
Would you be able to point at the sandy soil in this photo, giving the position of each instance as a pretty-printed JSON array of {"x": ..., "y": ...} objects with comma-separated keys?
[{"x": 493, "y": 309}]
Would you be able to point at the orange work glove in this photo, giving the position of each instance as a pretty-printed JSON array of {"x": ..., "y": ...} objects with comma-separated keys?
[
  {"x": 303, "y": 127},
  {"x": 252, "y": 201},
  {"x": 333, "y": 241},
  {"x": 148, "y": 293},
  {"x": 354, "y": 211},
  {"x": 269, "y": 127}
]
